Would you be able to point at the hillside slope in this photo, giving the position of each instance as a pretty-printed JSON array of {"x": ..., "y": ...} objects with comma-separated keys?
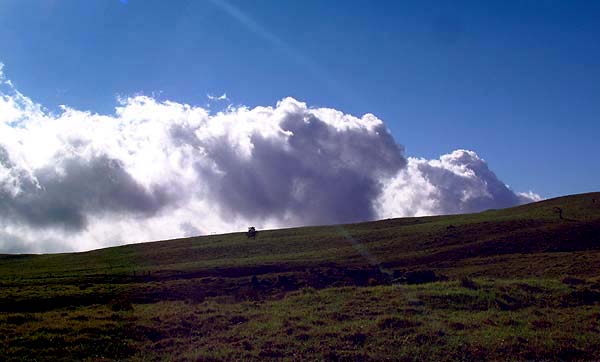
[
  {"x": 147, "y": 288},
  {"x": 438, "y": 242}
]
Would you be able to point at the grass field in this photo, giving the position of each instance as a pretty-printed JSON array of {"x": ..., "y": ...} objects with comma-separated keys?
[{"x": 512, "y": 284}]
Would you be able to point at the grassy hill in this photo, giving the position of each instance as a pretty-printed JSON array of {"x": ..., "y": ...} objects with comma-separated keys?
[{"x": 517, "y": 283}]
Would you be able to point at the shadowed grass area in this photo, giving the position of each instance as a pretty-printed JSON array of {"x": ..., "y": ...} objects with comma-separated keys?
[{"x": 513, "y": 284}]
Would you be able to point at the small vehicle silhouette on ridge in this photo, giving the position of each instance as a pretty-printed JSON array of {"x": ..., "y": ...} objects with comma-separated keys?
[{"x": 251, "y": 232}]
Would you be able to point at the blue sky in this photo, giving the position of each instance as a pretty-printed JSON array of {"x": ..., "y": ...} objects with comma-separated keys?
[{"x": 518, "y": 82}]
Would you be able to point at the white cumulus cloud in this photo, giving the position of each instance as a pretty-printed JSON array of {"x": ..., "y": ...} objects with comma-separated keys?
[
  {"x": 77, "y": 180},
  {"x": 459, "y": 182}
]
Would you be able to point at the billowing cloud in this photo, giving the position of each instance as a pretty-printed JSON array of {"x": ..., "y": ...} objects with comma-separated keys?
[
  {"x": 76, "y": 180},
  {"x": 66, "y": 193},
  {"x": 459, "y": 182}
]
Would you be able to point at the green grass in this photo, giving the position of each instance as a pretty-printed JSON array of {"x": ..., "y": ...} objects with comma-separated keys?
[{"x": 514, "y": 284}]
